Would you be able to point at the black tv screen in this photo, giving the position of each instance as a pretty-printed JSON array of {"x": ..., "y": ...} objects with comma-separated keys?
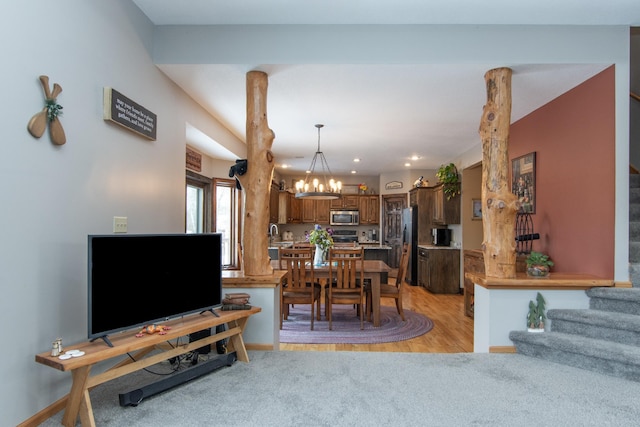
[{"x": 136, "y": 280}]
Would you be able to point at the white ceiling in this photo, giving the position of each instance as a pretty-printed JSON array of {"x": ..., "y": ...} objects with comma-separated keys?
[{"x": 429, "y": 110}]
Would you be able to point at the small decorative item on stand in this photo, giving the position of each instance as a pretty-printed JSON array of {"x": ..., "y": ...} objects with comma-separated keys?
[
  {"x": 536, "y": 317},
  {"x": 538, "y": 264},
  {"x": 323, "y": 241},
  {"x": 363, "y": 188}
]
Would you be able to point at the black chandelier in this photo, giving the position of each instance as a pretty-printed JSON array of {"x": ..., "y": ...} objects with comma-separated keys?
[{"x": 318, "y": 186}]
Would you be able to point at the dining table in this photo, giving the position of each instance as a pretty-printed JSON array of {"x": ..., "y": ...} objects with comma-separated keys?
[{"x": 373, "y": 271}]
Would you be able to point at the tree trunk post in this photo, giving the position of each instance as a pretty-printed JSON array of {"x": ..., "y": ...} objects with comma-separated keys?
[
  {"x": 256, "y": 182},
  {"x": 499, "y": 204}
]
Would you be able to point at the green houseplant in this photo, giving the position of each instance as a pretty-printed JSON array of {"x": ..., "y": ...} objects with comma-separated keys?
[
  {"x": 538, "y": 264},
  {"x": 448, "y": 176},
  {"x": 536, "y": 317}
]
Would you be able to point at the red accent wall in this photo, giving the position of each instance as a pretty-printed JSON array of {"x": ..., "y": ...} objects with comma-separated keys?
[{"x": 574, "y": 140}]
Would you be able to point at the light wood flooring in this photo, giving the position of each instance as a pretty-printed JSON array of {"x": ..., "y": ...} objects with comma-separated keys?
[{"x": 452, "y": 331}]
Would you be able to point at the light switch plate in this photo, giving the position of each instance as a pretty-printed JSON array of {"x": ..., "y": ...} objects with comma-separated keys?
[{"x": 119, "y": 224}]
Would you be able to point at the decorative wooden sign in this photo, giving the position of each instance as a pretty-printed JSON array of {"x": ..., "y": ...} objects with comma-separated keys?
[
  {"x": 393, "y": 185},
  {"x": 123, "y": 111},
  {"x": 194, "y": 160}
]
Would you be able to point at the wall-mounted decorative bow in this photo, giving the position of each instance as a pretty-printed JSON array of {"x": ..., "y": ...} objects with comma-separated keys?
[{"x": 49, "y": 114}]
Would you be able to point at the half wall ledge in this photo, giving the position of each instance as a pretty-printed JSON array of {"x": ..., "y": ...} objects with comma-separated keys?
[
  {"x": 261, "y": 333},
  {"x": 501, "y": 305}
]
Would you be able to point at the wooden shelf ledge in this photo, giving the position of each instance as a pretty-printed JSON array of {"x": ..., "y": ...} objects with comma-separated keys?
[{"x": 557, "y": 281}]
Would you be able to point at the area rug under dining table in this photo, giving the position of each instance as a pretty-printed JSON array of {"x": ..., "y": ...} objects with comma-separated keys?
[{"x": 346, "y": 327}]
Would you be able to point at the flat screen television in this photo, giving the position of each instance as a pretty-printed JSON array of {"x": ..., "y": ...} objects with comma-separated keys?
[{"x": 136, "y": 280}]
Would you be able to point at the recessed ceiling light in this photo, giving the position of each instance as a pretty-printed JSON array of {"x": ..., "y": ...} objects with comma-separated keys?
[
  {"x": 356, "y": 160},
  {"x": 284, "y": 166},
  {"x": 407, "y": 164},
  {"x": 354, "y": 172},
  {"x": 415, "y": 157}
]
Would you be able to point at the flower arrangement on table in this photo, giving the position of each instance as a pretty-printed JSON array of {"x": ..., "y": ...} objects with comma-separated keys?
[
  {"x": 362, "y": 187},
  {"x": 321, "y": 237}
]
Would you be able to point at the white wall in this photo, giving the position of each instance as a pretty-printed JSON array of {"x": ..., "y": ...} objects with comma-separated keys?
[{"x": 53, "y": 197}]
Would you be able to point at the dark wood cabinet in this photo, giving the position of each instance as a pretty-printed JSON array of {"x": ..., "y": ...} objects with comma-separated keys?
[
  {"x": 350, "y": 201},
  {"x": 274, "y": 203},
  {"x": 315, "y": 211},
  {"x": 289, "y": 208},
  {"x": 369, "y": 207},
  {"x": 439, "y": 270},
  {"x": 422, "y": 199},
  {"x": 445, "y": 211}
]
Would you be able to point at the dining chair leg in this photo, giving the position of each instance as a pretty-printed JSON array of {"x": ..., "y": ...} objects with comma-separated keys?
[{"x": 399, "y": 307}]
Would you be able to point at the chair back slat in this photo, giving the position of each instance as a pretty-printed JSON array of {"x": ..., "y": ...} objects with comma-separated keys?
[
  {"x": 299, "y": 265},
  {"x": 343, "y": 266}
]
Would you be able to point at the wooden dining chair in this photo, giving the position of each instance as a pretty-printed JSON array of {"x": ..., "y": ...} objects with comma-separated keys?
[
  {"x": 392, "y": 290},
  {"x": 346, "y": 280},
  {"x": 300, "y": 286}
]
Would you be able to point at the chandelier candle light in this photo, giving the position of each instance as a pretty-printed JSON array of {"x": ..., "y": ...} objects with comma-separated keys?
[{"x": 318, "y": 187}]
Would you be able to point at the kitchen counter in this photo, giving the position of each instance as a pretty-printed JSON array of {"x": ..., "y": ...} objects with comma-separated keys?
[{"x": 437, "y": 247}]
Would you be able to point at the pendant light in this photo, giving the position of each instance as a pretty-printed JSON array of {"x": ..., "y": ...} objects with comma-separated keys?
[{"x": 316, "y": 185}]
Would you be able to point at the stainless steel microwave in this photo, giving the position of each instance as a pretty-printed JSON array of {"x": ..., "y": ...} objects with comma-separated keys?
[{"x": 344, "y": 217}]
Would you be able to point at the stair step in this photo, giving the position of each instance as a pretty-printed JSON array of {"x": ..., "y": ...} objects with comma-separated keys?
[
  {"x": 634, "y": 251},
  {"x": 603, "y": 325},
  {"x": 634, "y": 180},
  {"x": 634, "y": 231},
  {"x": 634, "y": 211},
  {"x": 620, "y": 300},
  {"x": 634, "y": 273},
  {"x": 634, "y": 195},
  {"x": 606, "y": 357}
]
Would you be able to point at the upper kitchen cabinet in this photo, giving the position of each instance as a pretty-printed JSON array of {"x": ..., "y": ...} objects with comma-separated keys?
[
  {"x": 316, "y": 211},
  {"x": 289, "y": 208},
  {"x": 350, "y": 201},
  {"x": 445, "y": 211},
  {"x": 421, "y": 198},
  {"x": 369, "y": 207},
  {"x": 274, "y": 202}
]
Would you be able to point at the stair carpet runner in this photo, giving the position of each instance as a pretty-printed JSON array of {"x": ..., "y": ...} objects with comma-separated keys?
[{"x": 606, "y": 337}]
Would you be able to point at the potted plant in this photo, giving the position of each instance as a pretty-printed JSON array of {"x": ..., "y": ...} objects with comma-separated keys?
[
  {"x": 538, "y": 264},
  {"x": 448, "y": 176},
  {"x": 536, "y": 317}
]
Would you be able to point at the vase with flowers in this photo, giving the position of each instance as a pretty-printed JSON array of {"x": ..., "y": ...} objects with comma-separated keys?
[
  {"x": 363, "y": 188},
  {"x": 323, "y": 241}
]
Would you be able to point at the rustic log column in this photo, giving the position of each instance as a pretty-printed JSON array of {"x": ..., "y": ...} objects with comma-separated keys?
[
  {"x": 499, "y": 204},
  {"x": 256, "y": 182}
]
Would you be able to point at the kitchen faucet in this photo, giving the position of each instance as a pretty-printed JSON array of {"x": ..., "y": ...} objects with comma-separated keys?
[{"x": 271, "y": 228}]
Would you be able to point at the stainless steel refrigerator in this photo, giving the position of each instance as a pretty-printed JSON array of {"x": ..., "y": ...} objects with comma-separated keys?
[{"x": 410, "y": 236}]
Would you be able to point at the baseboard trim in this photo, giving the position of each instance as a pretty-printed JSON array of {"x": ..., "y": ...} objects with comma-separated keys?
[
  {"x": 260, "y": 347},
  {"x": 623, "y": 284},
  {"x": 502, "y": 349}
]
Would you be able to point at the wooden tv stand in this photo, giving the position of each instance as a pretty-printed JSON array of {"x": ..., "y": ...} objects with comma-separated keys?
[{"x": 77, "y": 402}]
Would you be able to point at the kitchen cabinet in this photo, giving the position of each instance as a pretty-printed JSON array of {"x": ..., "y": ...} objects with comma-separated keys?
[
  {"x": 421, "y": 198},
  {"x": 274, "y": 202},
  {"x": 289, "y": 208},
  {"x": 439, "y": 270},
  {"x": 350, "y": 201},
  {"x": 316, "y": 211},
  {"x": 445, "y": 211},
  {"x": 369, "y": 207}
]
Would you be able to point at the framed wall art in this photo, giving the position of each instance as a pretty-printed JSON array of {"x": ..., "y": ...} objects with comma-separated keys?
[
  {"x": 476, "y": 209},
  {"x": 523, "y": 181}
]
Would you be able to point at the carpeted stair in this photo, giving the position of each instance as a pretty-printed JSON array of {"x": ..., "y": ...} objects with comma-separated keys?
[{"x": 606, "y": 337}]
